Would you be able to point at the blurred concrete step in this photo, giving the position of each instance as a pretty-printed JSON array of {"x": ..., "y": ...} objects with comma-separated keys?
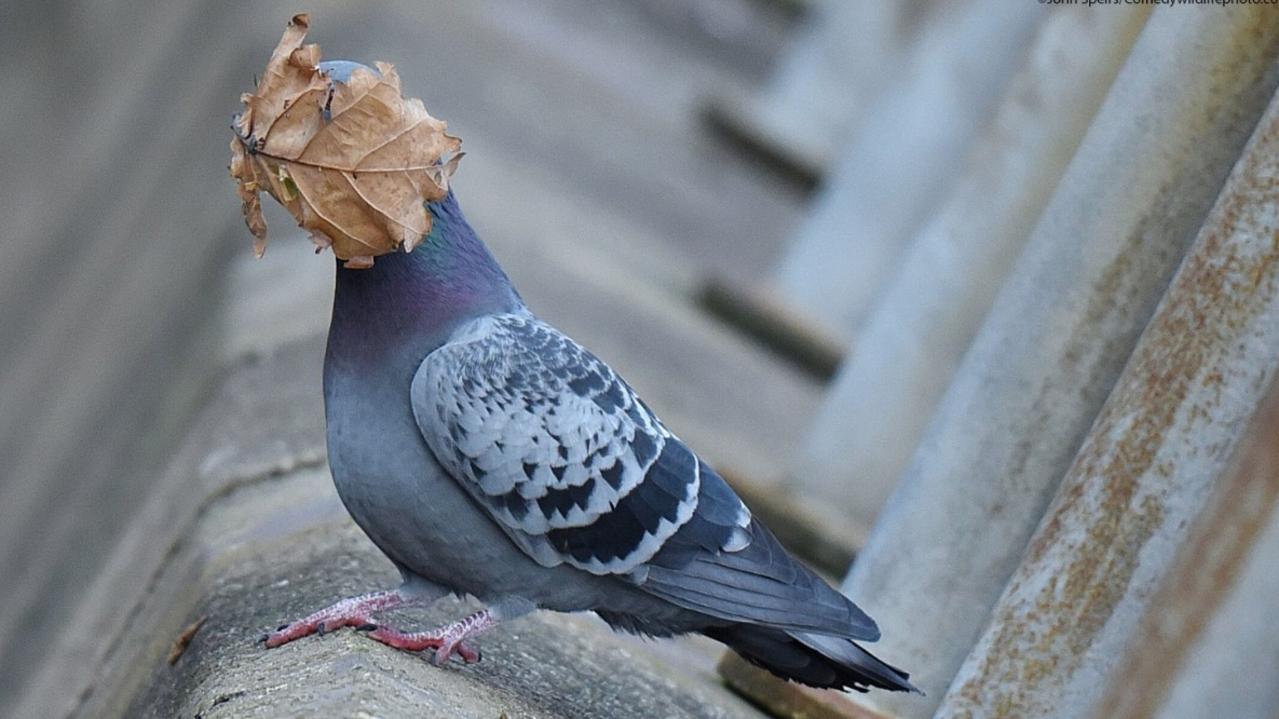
[{"x": 593, "y": 102}]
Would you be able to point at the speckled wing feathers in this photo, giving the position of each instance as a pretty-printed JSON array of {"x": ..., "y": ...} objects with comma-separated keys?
[
  {"x": 575, "y": 469},
  {"x": 554, "y": 445}
]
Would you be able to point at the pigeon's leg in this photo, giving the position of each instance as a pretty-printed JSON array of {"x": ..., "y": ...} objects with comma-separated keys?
[
  {"x": 450, "y": 638},
  {"x": 355, "y": 611}
]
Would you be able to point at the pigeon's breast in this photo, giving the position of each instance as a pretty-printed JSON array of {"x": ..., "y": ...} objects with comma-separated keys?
[
  {"x": 420, "y": 517},
  {"x": 385, "y": 474}
]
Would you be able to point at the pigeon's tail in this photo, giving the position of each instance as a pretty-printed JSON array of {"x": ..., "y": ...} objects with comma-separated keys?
[{"x": 818, "y": 660}]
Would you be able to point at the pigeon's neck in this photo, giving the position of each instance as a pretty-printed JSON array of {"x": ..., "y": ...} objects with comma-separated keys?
[{"x": 407, "y": 304}]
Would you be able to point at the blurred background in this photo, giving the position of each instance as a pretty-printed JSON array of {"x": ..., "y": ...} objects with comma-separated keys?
[{"x": 981, "y": 292}]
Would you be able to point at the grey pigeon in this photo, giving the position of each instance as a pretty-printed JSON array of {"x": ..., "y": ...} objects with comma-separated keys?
[{"x": 487, "y": 454}]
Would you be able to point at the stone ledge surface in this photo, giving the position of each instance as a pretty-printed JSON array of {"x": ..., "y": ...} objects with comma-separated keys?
[
  {"x": 245, "y": 530},
  {"x": 265, "y": 419},
  {"x": 280, "y": 549}
]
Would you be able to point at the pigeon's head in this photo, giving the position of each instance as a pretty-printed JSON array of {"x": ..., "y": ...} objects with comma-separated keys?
[
  {"x": 341, "y": 70},
  {"x": 338, "y": 145}
]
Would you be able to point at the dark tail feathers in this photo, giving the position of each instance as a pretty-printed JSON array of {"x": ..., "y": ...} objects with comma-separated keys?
[{"x": 818, "y": 660}]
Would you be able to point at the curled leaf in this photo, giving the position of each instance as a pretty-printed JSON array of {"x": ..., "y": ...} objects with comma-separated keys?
[{"x": 339, "y": 147}]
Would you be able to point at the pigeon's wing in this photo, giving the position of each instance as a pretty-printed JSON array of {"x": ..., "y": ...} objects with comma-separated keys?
[
  {"x": 576, "y": 469},
  {"x": 553, "y": 444},
  {"x": 719, "y": 565}
]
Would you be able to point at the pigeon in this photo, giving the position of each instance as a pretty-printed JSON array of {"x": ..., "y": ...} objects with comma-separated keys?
[{"x": 487, "y": 454}]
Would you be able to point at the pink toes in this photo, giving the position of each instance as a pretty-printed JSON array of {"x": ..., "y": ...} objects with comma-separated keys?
[
  {"x": 350, "y": 612},
  {"x": 469, "y": 654},
  {"x": 419, "y": 641},
  {"x": 311, "y": 625},
  {"x": 447, "y": 641},
  {"x": 402, "y": 640}
]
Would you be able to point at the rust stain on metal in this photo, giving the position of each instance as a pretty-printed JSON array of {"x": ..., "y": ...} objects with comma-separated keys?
[
  {"x": 1095, "y": 353},
  {"x": 1090, "y": 361},
  {"x": 1205, "y": 570},
  {"x": 1113, "y": 497}
]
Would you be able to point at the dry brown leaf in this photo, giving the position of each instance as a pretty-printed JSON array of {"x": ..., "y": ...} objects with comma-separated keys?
[
  {"x": 353, "y": 162},
  {"x": 183, "y": 641}
]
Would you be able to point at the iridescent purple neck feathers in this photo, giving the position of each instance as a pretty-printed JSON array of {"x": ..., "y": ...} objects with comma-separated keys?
[{"x": 411, "y": 302}]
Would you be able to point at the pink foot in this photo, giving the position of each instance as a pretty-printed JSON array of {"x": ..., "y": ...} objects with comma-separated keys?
[
  {"x": 416, "y": 642},
  {"x": 446, "y": 641},
  {"x": 350, "y": 612}
]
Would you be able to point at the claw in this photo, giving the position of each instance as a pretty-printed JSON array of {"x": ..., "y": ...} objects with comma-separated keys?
[
  {"x": 468, "y": 654},
  {"x": 465, "y": 652}
]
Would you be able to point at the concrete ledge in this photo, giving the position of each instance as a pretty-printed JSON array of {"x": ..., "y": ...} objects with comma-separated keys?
[
  {"x": 246, "y": 532},
  {"x": 274, "y": 551},
  {"x": 264, "y": 420},
  {"x": 788, "y": 700}
]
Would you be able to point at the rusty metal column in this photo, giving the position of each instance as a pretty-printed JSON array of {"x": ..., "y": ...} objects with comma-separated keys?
[
  {"x": 914, "y": 338},
  {"x": 1059, "y": 333},
  {"x": 1209, "y": 645},
  {"x": 1234, "y": 671},
  {"x": 906, "y": 152},
  {"x": 1143, "y": 474}
]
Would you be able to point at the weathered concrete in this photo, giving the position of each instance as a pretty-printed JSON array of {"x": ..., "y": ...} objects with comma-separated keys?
[
  {"x": 265, "y": 420},
  {"x": 1208, "y": 645},
  {"x": 916, "y": 334},
  {"x": 1145, "y": 472},
  {"x": 113, "y": 259},
  {"x": 903, "y": 159},
  {"x": 247, "y": 531},
  {"x": 274, "y": 551},
  {"x": 1059, "y": 334}
]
